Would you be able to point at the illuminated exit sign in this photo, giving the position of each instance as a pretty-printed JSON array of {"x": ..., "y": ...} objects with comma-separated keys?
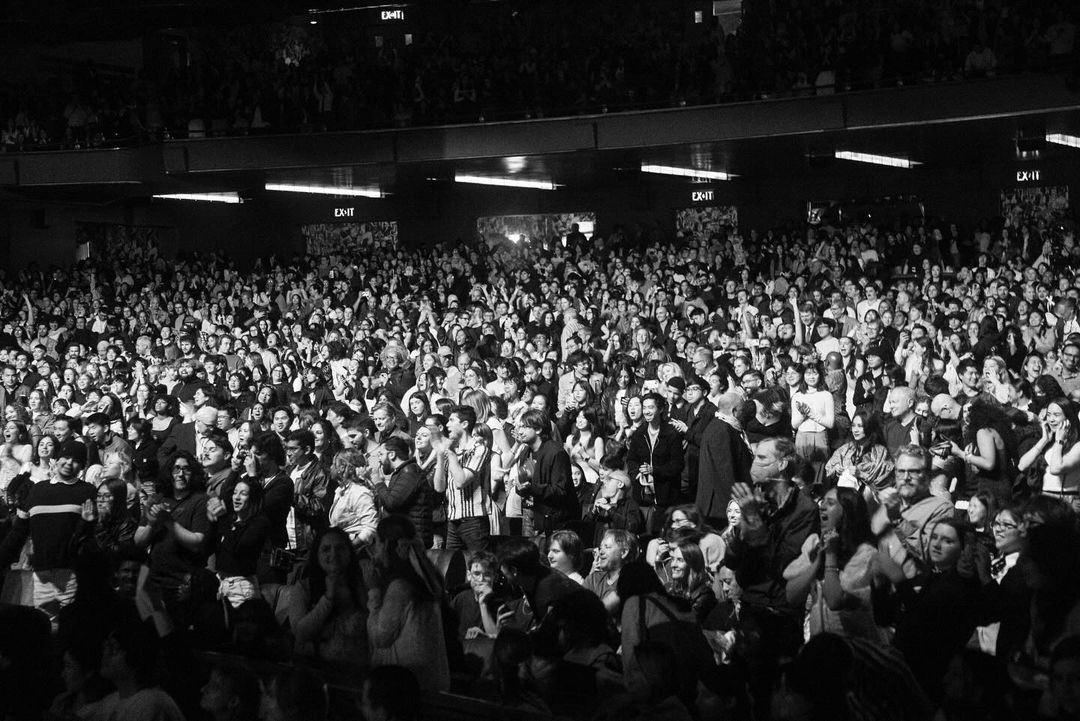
[
  {"x": 1028, "y": 176},
  {"x": 701, "y": 196},
  {"x": 395, "y": 15}
]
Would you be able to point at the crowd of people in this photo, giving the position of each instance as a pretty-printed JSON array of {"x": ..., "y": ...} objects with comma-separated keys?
[
  {"x": 512, "y": 61},
  {"x": 801, "y": 474}
]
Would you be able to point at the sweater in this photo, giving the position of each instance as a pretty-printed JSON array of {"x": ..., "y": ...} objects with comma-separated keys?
[{"x": 51, "y": 516}]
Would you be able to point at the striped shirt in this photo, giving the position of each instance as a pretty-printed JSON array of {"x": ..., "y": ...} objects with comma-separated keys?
[
  {"x": 51, "y": 516},
  {"x": 469, "y": 501}
]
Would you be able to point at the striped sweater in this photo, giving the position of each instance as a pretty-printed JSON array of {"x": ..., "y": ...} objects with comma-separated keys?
[{"x": 52, "y": 516}]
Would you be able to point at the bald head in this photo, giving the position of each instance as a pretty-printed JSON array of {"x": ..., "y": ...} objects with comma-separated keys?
[{"x": 945, "y": 406}]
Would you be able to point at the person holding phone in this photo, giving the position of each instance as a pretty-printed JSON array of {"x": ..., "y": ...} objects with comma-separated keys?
[{"x": 1059, "y": 451}]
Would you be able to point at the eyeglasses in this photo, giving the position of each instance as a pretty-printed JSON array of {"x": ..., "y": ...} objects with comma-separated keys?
[
  {"x": 1003, "y": 526},
  {"x": 181, "y": 469}
]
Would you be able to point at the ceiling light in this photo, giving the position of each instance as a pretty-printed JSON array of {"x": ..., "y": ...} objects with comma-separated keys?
[
  {"x": 505, "y": 182},
  {"x": 326, "y": 190},
  {"x": 686, "y": 172},
  {"x": 207, "y": 197},
  {"x": 1060, "y": 139},
  {"x": 888, "y": 160}
]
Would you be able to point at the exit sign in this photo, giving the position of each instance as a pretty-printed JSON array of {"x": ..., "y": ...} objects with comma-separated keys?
[
  {"x": 344, "y": 212},
  {"x": 392, "y": 15},
  {"x": 1028, "y": 176},
  {"x": 701, "y": 196}
]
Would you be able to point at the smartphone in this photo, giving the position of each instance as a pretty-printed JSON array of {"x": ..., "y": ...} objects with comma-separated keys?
[{"x": 961, "y": 505}]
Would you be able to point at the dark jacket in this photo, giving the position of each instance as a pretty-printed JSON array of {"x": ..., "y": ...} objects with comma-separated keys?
[
  {"x": 551, "y": 487},
  {"x": 759, "y": 558},
  {"x": 408, "y": 493},
  {"x": 934, "y": 624},
  {"x": 696, "y": 423},
  {"x": 724, "y": 461},
  {"x": 181, "y": 438},
  {"x": 666, "y": 458},
  {"x": 277, "y": 500},
  {"x": 311, "y": 500}
]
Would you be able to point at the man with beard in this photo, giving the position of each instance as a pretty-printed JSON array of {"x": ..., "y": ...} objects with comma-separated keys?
[
  {"x": 1068, "y": 377},
  {"x": 908, "y": 514},
  {"x": 187, "y": 381},
  {"x": 776, "y": 521},
  {"x": 402, "y": 489}
]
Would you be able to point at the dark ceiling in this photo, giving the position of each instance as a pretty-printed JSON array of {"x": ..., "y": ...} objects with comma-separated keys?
[{"x": 59, "y": 21}]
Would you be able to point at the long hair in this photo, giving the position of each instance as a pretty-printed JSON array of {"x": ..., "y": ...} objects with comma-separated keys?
[
  {"x": 317, "y": 576},
  {"x": 1044, "y": 389},
  {"x": 256, "y": 494},
  {"x": 821, "y": 384},
  {"x": 479, "y": 402},
  {"x": 590, "y": 418},
  {"x": 871, "y": 428},
  {"x": 570, "y": 543},
  {"x": 118, "y": 491},
  {"x": 982, "y": 414},
  {"x": 402, "y": 557},
  {"x": 689, "y": 544},
  {"x": 854, "y": 527},
  {"x": 690, "y": 513},
  {"x": 1071, "y": 411}
]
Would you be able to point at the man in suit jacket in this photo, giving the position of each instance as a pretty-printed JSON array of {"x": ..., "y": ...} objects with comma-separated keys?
[
  {"x": 724, "y": 460},
  {"x": 190, "y": 437}
]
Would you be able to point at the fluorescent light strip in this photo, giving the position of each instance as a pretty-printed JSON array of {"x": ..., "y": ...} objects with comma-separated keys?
[
  {"x": 686, "y": 172},
  {"x": 206, "y": 197},
  {"x": 876, "y": 159},
  {"x": 326, "y": 190},
  {"x": 1061, "y": 139},
  {"x": 505, "y": 182}
]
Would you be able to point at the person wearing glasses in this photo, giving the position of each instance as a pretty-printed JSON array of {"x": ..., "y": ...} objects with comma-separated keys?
[
  {"x": 1006, "y": 605},
  {"x": 1068, "y": 374},
  {"x": 177, "y": 529},
  {"x": 908, "y": 511}
]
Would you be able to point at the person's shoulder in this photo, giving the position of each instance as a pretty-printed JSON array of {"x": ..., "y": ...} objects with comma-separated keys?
[
  {"x": 462, "y": 598},
  {"x": 151, "y": 704},
  {"x": 595, "y": 580}
]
